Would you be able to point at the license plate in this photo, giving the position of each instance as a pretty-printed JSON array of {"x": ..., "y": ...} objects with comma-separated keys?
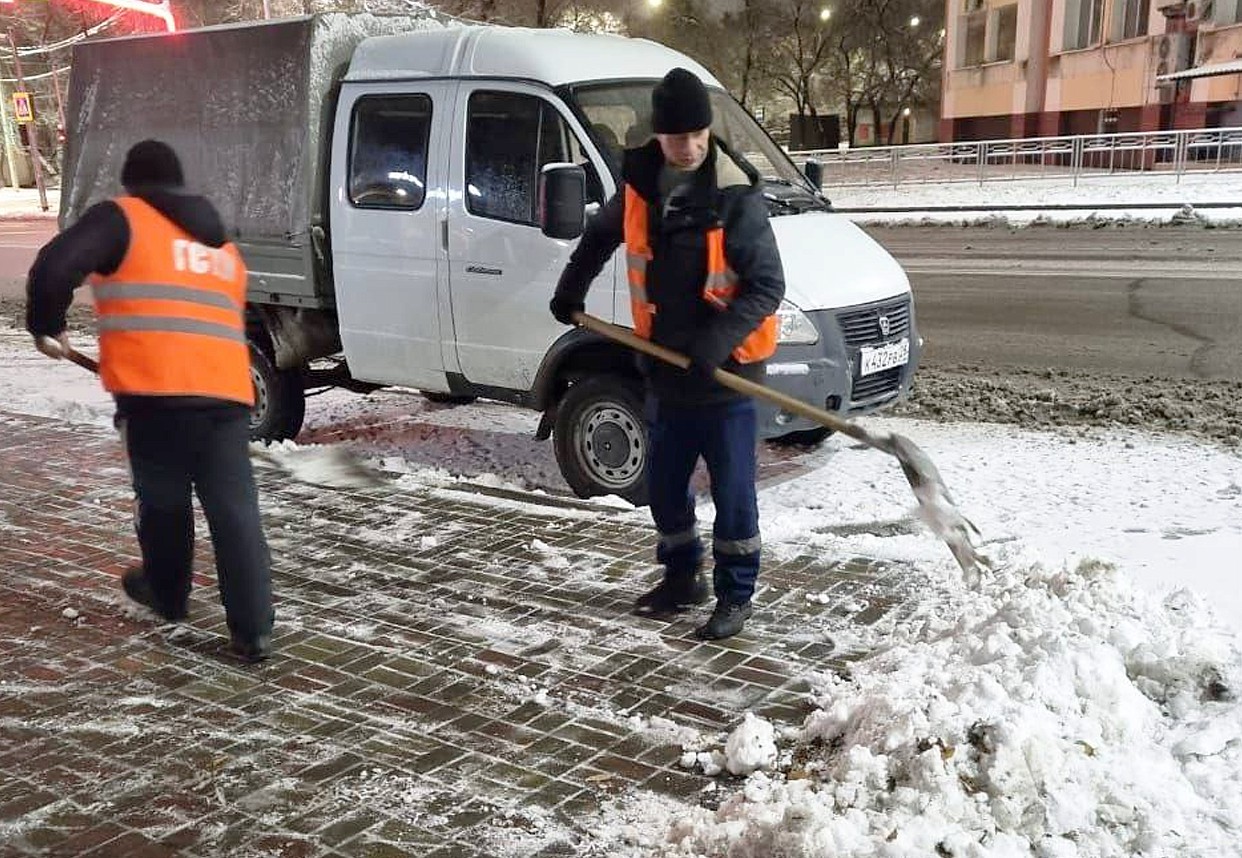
[{"x": 885, "y": 357}]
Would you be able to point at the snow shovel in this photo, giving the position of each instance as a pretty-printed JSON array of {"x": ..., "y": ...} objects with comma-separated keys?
[
  {"x": 326, "y": 466},
  {"x": 935, "y": 504}
]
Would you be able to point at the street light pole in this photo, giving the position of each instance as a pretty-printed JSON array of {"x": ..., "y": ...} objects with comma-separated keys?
[
  {"x": 33, "y": 134},
  {"x": 267, "y": 10}
]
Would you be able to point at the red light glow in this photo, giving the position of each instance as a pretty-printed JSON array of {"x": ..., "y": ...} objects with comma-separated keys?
[{"x": 158, "y": 8}]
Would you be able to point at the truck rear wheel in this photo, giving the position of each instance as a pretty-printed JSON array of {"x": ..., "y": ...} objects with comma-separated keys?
[
  {"x": 279, "y": 399},
  {"x": 601, "y": 438}
]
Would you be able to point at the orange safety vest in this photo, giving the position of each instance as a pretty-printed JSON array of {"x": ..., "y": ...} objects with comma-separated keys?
[
  {"x": 172, "y": 316},
  {"x": 718, "y": 289}
]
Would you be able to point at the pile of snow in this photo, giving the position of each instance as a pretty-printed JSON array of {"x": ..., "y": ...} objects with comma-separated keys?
[
  {"x": 751, "y": 747},
  {"x": 1052, "y": 713}
]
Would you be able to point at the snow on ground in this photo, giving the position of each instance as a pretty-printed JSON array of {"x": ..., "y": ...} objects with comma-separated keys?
[
  {"x": 1112, "y": 190},
  {"x": 1055, "y": 712},
  {"x": 1063, "y": 708},
  {"x": 34, "y": 384},
  {"x": 1166, "y": 508}
]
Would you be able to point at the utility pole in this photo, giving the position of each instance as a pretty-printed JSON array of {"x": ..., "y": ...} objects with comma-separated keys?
[
  {"x": 33, "y": 131},
  {"x": 267, "y": 10}
]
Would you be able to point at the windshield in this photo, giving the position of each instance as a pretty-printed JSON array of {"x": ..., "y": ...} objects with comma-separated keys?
[{"x": 618, "y": 116}]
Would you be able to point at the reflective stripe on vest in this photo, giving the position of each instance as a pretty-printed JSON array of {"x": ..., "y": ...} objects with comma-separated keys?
[
  {"x": 719, "y": 287},
  {"x": 637, "y": 255},
  {"x": 171, "y": 317}
]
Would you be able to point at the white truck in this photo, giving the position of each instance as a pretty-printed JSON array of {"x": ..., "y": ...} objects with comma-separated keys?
[{"x": 383, "y": 177}]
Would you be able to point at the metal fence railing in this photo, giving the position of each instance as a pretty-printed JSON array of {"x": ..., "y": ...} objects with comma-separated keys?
[{"x": 1173, "y": 153}]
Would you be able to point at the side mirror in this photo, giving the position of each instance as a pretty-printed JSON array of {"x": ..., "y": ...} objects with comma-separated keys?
[
  {"x": 814, "y": 171},
  {"x": 562, "y": 201}
]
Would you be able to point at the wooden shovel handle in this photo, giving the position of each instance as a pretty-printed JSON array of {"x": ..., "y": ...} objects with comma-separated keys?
[
  {"x": 734, "y": 382},
  {"x": 87, "y": 363}
]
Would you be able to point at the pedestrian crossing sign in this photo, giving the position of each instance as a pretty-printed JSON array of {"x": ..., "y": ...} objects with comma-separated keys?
[{"x": 23, "y": 107}]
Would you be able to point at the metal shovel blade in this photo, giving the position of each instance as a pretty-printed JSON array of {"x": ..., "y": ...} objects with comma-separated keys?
[
  {"x": 936, "y": 507},
  {"x": 331, "y": 467}
]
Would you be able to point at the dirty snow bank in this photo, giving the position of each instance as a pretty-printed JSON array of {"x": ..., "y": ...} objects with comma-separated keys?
[
  {"x": 1116, "y": 190},
  {"x": 1052, "y": 713}
]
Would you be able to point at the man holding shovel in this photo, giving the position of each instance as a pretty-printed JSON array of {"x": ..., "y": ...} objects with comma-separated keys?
[
  {"x": 170, "y": 295},
  {"x": 705, "y": 280}
]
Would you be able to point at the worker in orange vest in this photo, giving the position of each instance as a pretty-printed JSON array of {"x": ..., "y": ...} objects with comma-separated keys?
[
  {"x": 705, "y": 279},
  {"x": 170, "y": 295}
]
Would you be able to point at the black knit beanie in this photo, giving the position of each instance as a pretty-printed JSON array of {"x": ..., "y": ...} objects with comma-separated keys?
[
  {"x": 680, "y": 104},
  {"x": 152, "y": 163}
]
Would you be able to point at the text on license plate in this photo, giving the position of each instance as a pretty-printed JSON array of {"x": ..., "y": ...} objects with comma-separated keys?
[{"x": 885, "y": 357}]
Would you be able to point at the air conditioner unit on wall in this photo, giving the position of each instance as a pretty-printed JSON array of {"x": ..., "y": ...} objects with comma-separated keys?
[
  {"x": 1170, "y": 52},
  {"x": 1201, "y": 11}
]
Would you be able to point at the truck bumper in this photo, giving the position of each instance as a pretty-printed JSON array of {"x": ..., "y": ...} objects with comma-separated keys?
[{"x": 827, "y": 374}]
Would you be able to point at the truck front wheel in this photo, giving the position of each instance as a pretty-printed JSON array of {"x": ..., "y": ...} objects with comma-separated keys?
[
  {"x": 601, "y": 438},
  {"x": 279, "y": 399}
]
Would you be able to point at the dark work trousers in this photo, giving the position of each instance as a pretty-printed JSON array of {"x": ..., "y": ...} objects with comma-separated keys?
[
  {"x": 724, "y": 435},
  {"x": 172, "y": 451}
]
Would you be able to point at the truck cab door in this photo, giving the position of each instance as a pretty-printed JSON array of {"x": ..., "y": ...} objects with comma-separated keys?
[
  {"x": 389, "y": 164},
  {"x": 502, "y": 268}
]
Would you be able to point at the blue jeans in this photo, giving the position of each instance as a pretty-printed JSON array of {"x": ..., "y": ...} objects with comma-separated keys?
[{"x": 724, "y": 435}]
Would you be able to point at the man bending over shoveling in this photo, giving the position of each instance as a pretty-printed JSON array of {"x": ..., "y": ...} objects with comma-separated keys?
[{"x": 170, "y": 293}]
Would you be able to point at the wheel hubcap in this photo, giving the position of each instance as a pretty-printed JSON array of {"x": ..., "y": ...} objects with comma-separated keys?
[
  {"x": 612, "y": 445},
  {"x": 259, "y": 412}
]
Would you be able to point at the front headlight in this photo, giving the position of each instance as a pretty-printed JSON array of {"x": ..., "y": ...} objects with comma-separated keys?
[{"x": 796, "y": 328}]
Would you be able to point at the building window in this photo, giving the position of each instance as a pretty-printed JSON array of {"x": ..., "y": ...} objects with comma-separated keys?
[
  {"x": 1083, "y": 23},
  {"x": 988, "y": 35},
  {"x": 975, "y": 26},
  {"x": 1005, "y": 26},
  {"x": 1130, "y": 19},
  {"x": 388, "y": 152}
]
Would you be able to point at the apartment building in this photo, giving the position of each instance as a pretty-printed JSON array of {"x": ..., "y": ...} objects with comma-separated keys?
[{"x": 1045, "y": 67}]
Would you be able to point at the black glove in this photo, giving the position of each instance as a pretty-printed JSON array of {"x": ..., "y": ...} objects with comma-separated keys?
[
  {"x": 564, "y": 308},
  {"x": 704, "y": 357}
]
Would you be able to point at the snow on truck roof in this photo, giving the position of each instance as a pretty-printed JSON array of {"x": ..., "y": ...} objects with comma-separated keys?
[{"x": 553, "y": 57}]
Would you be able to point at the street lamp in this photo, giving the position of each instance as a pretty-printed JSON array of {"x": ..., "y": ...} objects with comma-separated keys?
[
  {"x": 905, "y": 112},
  {"x": 915, "y": 20},
  {"x": 825, "y": 14},
  {"x": 655, "y": 4}
]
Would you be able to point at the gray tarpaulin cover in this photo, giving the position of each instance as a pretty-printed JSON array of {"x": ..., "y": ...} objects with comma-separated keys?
[{"x": 243, "y": 105}]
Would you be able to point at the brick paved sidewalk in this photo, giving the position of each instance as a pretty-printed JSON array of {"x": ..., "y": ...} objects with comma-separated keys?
[{"x": 456, "y": 673}]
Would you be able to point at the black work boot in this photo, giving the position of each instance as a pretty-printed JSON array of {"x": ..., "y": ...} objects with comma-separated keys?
[
  {"x": 726, "y": 621},
  {"x": 138, "y": 587},
  {"x": 251, "y": 651},
  {"x": 677, "y": 592}
]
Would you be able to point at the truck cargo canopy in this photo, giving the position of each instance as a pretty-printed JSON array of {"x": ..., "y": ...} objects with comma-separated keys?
[{"x": 245, "y": 106}]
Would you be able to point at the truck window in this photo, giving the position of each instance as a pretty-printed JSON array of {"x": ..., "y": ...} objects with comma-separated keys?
[
  {"x": 510, "y": 136},
  {"x": 388, "y": 151}
]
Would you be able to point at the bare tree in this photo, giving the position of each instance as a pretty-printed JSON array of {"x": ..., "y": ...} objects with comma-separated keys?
[
  {"x": 746, "y": 39},
  {"x": 888, "y": 59},
  {"x": 801, "y": 44}
]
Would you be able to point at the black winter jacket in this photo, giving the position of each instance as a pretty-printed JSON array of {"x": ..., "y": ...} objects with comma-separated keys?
[
  {"x": 725, "y": 190},
  {"x": 97, "y": 244}
]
